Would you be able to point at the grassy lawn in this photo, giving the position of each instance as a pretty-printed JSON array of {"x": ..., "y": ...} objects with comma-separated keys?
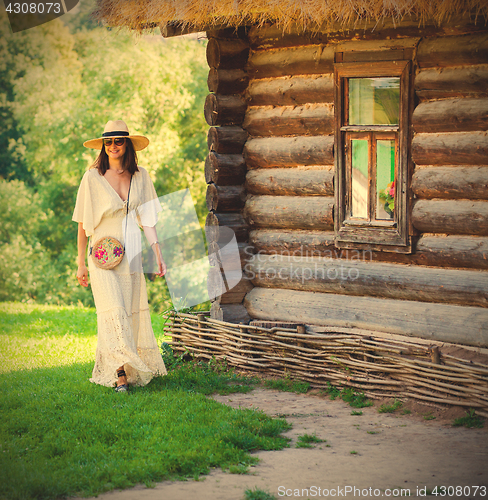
[{"x": 60, "y": 435}]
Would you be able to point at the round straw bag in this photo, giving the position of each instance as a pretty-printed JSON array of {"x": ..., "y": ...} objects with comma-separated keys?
[{"x": 107, "y": 252}]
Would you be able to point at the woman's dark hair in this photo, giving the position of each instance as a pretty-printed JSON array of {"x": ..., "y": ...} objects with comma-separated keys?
[{"x": 129, "y": 161}]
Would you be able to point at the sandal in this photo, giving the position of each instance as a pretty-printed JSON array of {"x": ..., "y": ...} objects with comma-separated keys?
[{"x": 122, "y": 387}]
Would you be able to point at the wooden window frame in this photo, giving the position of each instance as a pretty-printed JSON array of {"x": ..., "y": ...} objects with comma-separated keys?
[{"x": 385, "y": 235}]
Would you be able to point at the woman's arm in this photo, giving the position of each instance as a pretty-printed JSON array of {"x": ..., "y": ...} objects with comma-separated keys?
[
  {"x": 82, "y": 273},
  {"x": 152, "y": 239}
]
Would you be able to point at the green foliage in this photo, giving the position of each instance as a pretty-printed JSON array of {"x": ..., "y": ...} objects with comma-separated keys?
[
  {"x": 470, "y": 420},
  {"x": 306, "y": 440},
  {"x": 58, "y": 89},
  {"x": 64, "y": 436},
  {"x": 288, "y": 385},
  {"x": 258, "y": 494},
  {"x": 385, "y": 408},
  {"x": 349, "y": 395},
  {"x": 356, "y": 413}
]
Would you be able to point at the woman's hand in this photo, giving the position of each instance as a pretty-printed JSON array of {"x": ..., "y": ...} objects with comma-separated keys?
[
  {"x": 82, "y": 275},
  {"x": 159, "y": 258}
]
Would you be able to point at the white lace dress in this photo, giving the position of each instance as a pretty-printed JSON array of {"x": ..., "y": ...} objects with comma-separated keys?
[{"x": 125, "y": 334}]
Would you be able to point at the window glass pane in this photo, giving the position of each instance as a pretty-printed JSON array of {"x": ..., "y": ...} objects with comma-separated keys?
[
  {"x": 385, "y": 179},
  {"x": 374, "y": 101},
  {"x": 359, "y": 178}
]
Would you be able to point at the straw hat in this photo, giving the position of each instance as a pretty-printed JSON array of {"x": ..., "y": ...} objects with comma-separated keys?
[{"x": 117, "y": 128}]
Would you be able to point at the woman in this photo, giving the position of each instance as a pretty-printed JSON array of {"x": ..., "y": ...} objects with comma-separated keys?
[{"x": 114, "y": 195}]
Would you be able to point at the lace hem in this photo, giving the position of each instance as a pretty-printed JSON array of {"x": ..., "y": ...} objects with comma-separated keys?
[{"x": 127, "y": 341}]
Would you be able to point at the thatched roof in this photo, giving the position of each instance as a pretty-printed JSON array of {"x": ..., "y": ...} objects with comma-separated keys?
[{"x": 137, "y": 14}]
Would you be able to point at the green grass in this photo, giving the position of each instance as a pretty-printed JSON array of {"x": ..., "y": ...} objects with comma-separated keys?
[
  {"x": 349, "y": 395},
  {"x": 306, "y": 440},
  {"x": 288, "y": 385},
  {"x": 63, "y": 436},
  {"x": 257, "y": 494},
  {"x": 470, "y": 420},
  {"x": 356, "y": 413},
  {"x": 397, "y": 404}
]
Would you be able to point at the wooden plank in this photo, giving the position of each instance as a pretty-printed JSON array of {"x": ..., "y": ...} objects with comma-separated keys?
[
  {"x": 373, "y": 279},
  {"x": 438, "y": 322},
  {"x": 300, "y": 181},
  {"x": 451, "y": 148},
  {"x": 225, "y": 198},
  {"x": 226, "y": 140},
  {"x": 461, "y": 251},
  {"x": 227, "y": 81},
  {"x": 224, "y": 109},
  {"x": 225, "y": 169},
  {"x": 451, "y": 182},
  {"x": 309, "y": 119},
  {"x": 229, "y": 287},
  {"x": 219, "y": 227},
  {"x": 459, "y": 81},
  {"x": 304, "y": 60},
  {"x": 232, "y": 313},
  {"x": 451, "y": 115},
  {"x": 383, "y": 30},
  {"x": 451, "y": 216},
  {"x": 432, "y": 249},
  {"x": 453, "y": 50},
  {"x": 304, "y": 212},
  {"x": 292, "y": 90},
  {"x": 289, "y": 151},
  {"x": 227, "y": 54}
]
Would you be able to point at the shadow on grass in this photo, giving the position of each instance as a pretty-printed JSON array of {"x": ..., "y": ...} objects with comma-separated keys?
[{"x": 65, "y": 436}]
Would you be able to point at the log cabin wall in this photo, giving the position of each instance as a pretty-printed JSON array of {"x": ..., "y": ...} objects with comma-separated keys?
[
  {"x": 225, "y": 173},
  {"x": 440, "y": 290}
]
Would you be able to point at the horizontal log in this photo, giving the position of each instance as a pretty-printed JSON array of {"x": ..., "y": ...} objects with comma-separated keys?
[
  {"x": 309, "y": 119},
  {"x": 224, "y": 109},
  {"x": 225, "y": 198},
  {"x": 460, "y": 81},
  {"x": 227, "y": 257},
  {"x": 221, "y": 227},
  {"x": 226, "y": 140},
  {"x": 310, "y": 212},
  {"x": 461, "y": 251},
  {"x": 437, "y": 322},
  {"x": 457, "y": 148},
  {"x": 292, "y": 90},
  {"x": 305, "y": 60},
  {"x": 451, "y": 216},
  {"x": 293, "y": 242},
  {"x": 451, "y": 182},
  {"x": 231, "y": 313},
  {"x": 289, "y": 151},
  {"x": 451, "y": 115},
  {"x": 228, "y": 288},
  {"x": 385, "y": 29},
  {"x": 227, "y": 81},
  {"x": 432, "y": 250},
  {"x": 300, "y": 181},
  {"x": 453, "y": 50},
  {"x": 227, "y": 54},
  {"x": 373, "y": 279},
  {"x": 225, "y": 169}
]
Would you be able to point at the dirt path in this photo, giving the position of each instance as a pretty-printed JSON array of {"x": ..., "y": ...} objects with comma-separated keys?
[{"x": 392, "y": 452}]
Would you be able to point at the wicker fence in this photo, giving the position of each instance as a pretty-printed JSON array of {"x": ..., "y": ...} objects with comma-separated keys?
[{"x": 380, "y": 365}]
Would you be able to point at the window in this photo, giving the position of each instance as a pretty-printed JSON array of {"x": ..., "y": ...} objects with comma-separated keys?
[{"x": 372, "y": 108}]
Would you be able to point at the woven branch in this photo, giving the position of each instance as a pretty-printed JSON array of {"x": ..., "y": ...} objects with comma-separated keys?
[{"x": 377, "y": 366}]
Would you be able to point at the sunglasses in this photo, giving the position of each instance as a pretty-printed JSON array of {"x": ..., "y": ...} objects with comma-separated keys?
[{"x": 118, "y": 141}]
